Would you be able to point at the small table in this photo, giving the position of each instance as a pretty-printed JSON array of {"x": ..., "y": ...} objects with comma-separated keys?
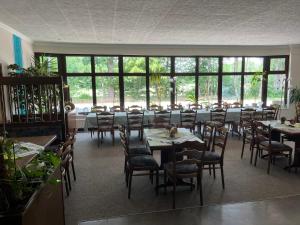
[
  {"x": 290, "y": 131},
  {"x": 43, "y": 141}
]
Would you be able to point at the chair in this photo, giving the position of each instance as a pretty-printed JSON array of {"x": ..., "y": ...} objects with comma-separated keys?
[
  {"x": 207, "y": 135},
  {"x": 246, "y": 115},
  {"x": 264, "y": 142},
  {"x": 217, "y": 117},
  {"x": 270, "y": 113},
  {"x": 96, "y": 109},
  {"x": 174, "y": 107},
  {"x": 105, "y": 123},
  {"x": 134, "y": 108},
  {"x": 213, "y": 158},
  {"x": 187, "y": 162},
  {"x": 135, "y": 119},
  {"x": 217, "y": 105},
  {"x": 248, "y": 136},
  {"x": 188, "y": 119},
  {"x": 155, "y": 107},
  {"x": 195, "y": 106},
  {"x": 236, "y": 105},
  {"x": 115, "y": 108},
  {"x": 142, "y": 162},
  {"x": 162, "y": 119}
]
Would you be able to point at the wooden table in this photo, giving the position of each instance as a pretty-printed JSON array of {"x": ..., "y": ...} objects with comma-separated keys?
[
  {"x": 43, "y": 141},
  {"x": 290, "y": 131}
]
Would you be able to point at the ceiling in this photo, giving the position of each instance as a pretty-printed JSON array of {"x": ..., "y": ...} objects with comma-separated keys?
[{"x": 183, "y": 22}]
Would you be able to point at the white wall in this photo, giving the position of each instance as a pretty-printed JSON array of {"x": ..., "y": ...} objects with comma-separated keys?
[{"x": 7, "y": 51}]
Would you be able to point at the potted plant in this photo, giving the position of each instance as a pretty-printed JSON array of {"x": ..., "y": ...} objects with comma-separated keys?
[{"x": 295, "y": 98}]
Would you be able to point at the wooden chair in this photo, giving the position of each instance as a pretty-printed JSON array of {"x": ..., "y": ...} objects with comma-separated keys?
[
  {"x": 69, "y": 145},
  {"x": 134, "y": 108},
  {"x": 248, "y": 136},
  {"x": 155, "y": 107},
  {"x": 195, "y": 106},
  {"x": 246, "y": 115},
  {"x": 142, "y": 162},
  {"x": 115, "y": 108},
  {"x": 174, "y": 107},
  {"x": 236, "y": 105},
  {"x": 264, "y": 142},
  {"x": 270, "y": 113},
  {"x": 105, "y": 123},
  {"x": 135, "y": 120},
  {"x": 162, "y": 119},
  {"x": 207, "y": 135},
  {"x": 98, "y": 108},
  {"x": 217, "y": 105},
  {"x": 217, "y": 117},
  {"x": 187, "y": 163},
  {"x": 188, "y": 119},
  {"x": 215, "y": 157}
]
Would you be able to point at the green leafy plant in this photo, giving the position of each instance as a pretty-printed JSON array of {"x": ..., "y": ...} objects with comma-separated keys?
[{"x": 295, "y": 95}]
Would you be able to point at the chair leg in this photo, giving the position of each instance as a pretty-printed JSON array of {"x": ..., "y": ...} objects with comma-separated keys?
[
  {"x": 174, "y": 195},
  {"x": 256, "y": 155},
  {"x": 69, "y": 178},
  {"x": 66, "y": 184},
  {"x": 98, "y": 139},
  {"x": 269, "y": 163},
  {"x": 200, "y": 189},
  {"x": 101, "y": 137},
  {"x": 157, "y": 182},
  {"x": 290, "y": 162},
  {"x": 243, "y": 147},
  {"x": 209, "y": 168},
  {"x": 126, "y": 176},
  {"x": 214, "y": 171},
  {"x": 165, "y": 182},
  {"x": 251, "y": 153},
  {"x": 129, "y": 183},
  {"x": 222, "y": 176},
  {"x": 151, "y": 176},
  {"x": 192, "y": 182},
  {"x": 73, "y": 170},
  {"x": 113, "y": 137}
]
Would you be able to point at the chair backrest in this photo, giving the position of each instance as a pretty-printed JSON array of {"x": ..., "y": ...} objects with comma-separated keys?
[
  {"x": 98, "y": 108},
  {"x": 162, "y": 119},
  {"x": 220, "y": 140},
  {"x": 135, "y": 118},
  {"x": 105, "y": 120},
  {"x": 217, "y": 105},
  {"x": 188, "y": 153},
  {"x": 188, "y": 118},
  {"x": 115, "y": 108},
  {"x": 207, "y": 134},
  {"x": 262, "y": 132},
  {"x": 218, "y": 115},
  {"x": 195, "y": 106},
  {"x": 174, "y": 107},
  {"x": 155, "y": 107},
  {"x": 134, "y": 108},
  {"x": 247, "y": 115},
  {"x": 236, "y": 105},
  {"x": 270, "y": 113}
]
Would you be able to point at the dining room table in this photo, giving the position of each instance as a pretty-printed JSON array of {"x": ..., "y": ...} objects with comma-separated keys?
[{"x": 292, "y": 131}]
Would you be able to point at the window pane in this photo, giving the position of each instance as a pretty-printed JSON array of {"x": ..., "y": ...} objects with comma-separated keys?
[
  {"x": 208, "y": 89},
  {"x": 252, "y": 89},
  {"x": 78, "y": 64},
  {"x": 209, "y": 65},
  {"x": 185, "y": 65},
  {"x": 81, "y": 92},
  {"x": 106, "y": 64},
  {"x": 135, "y": 90},
  {"x": 52, "y": 64},
  {"x": 160, "y": 90},
  {"x": 160, "y": 64},
  {"x": 277, "y": 64},
  {"x": 231, "y": 88},
  {"x": 107, "y": 91},
  {"x": 232, "y": 64},
  {"x": 185, "y": 90},
  {"x": 254, "y": 64},
  {"x": 276, "y": 85},
  {"x": 134, "y": 65}
]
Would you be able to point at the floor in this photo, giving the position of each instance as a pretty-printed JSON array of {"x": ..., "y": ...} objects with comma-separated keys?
[
  {"x": 100, "y": 191},
  {"x": 279, "y": 211}
]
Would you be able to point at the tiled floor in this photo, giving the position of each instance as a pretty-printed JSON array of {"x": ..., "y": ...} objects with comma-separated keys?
[{"x": 278, "y": 211}]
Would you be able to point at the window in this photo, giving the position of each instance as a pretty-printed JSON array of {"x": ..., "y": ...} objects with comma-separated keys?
[
  {"x": 107, "y": 90},
  {"x": 232, "y": 64},
  {"x": 231, "y": 88},
  {"x": 185, "y": 65},
  {"x": 134, "y": 64},
  {"x": 254, "y": 64},
  {"x": 106, "y": 64},
  {"x": 78, "y": 64},
  {"x": 81, "y": 92},
  {"x": 276, "y": 87},
  {"x": 277, "y": 64},
  {"x": 159, "y": 90},
  {"x": 135, "y": 90},
  {"x": 51, "y": 61},
  {"x": 160, "y": 65},
  {"x": 185, "y": 90},
  {"x": 252, "y": 89},
  {"x": 208, "y": 65},
  {"x": 208, "y": 89}
]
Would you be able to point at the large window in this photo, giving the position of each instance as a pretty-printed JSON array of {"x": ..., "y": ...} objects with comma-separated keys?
[
  {"x": 208, "y": 65},
  {"x": 231, "y": 88},
  {"x": 159, "y": 65},
  {"x": 254, "y": 64},
  {"x": 81, "y": 92},
  {"x": 159, "y": 90},
  {"x": 134, "y": 64},
  {"x": 185, "y": 90},
  {"x": 78, "y": 64},
  {"x": 185, "y": 65},
  {"x": 135, "y": 90},
  {"x": 106, "y": 64},
  {"x": 232, "y": 64},
  {"x": 50, "y": 61},
  {"x": 107, "y": 90},
  {"x": 252, "y": 89},
  {"x": 276, "y": 87},
  {"x": 208, "y": 89}
]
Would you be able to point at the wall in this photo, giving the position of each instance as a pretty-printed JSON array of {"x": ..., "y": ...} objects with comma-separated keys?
[{"x": 7, "y": 50}]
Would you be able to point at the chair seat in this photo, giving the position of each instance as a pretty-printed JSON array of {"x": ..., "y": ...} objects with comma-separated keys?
[
  {"x": 139, "y": 150},
  {"x": 146, "y": 161},
  {"x": 211, "y": 157},
  {"x": 275, "y": 146},
  {"x": 215, "y": 123},
  {"x": 182, "y": 168}
]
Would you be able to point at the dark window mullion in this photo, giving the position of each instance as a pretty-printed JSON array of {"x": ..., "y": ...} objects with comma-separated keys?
[
  {"x": 121, "y": 83},
  {"x": 220, "y": 79},
  {"x": 93, "y": 80},
  {"x": 197, "y": 80},
  {"x": 147, "y": 83},
  {"x": 242, "y": 81},
  {"x": 266, "y": 72},
  {"x": 172, "y": 84}
]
